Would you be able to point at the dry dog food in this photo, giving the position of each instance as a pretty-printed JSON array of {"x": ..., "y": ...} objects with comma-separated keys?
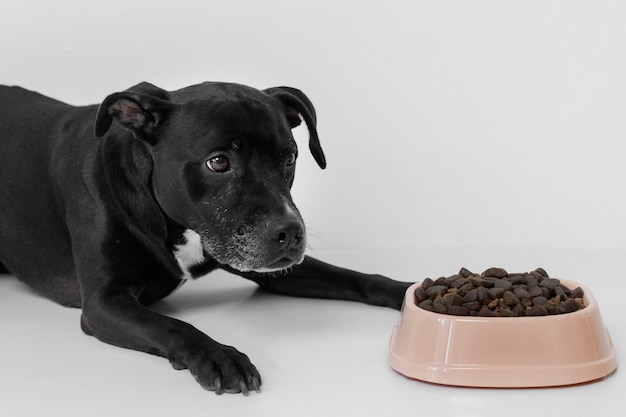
[{"x": 496, "y": 293}]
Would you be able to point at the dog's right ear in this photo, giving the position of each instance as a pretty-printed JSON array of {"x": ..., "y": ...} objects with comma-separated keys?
[{"x": 142, "y": 109}]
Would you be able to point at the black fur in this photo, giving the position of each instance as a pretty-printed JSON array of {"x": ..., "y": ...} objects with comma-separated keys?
[{"x": 96, "y": 200}]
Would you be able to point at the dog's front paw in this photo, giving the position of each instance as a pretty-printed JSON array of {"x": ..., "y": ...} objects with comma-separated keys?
[{"x": 221, "y": 369}]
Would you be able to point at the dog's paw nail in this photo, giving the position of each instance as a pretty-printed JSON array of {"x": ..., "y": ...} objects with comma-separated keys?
[
  {"x": 255, "y": 384},
  {"x": 219, "y": 390},
  {"x": 243, "y": 388}
]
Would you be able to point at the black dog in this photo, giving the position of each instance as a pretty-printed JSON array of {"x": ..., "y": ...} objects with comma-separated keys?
[{"x": 111, "y": 208}]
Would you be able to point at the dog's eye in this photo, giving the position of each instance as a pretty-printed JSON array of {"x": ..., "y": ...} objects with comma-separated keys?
[
  {"x": 218, "y": 163},
  {"x": 291, "y": 159}
]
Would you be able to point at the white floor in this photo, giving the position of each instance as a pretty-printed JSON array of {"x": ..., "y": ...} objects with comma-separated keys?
[{"x": 317, "y": 357}]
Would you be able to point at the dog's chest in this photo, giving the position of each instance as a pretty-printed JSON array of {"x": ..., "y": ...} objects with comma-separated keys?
[{"x": 189, "y": 252}]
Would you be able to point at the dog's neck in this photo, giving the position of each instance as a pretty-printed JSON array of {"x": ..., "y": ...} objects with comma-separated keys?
[{"x": 189, "y": 252}]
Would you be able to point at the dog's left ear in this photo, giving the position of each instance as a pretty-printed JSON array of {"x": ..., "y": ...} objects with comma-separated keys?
[
  {"x": 140, "y": 109},
  {"x": 296, "y": 103}
]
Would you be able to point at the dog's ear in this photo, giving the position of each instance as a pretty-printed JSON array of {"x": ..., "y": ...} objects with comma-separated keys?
[
  {"x": 141, "y": 109},
  {"x": 296, "y": 103}
]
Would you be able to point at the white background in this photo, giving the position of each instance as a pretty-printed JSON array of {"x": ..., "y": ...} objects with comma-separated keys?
[{"x": 457, "y": 133}]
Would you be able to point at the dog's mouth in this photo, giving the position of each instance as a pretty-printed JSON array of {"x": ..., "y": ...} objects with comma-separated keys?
[
  {"x": 255, "y": 258},
  {"x": 251, "y": 249},
  {"x": 279, "y": 265}
]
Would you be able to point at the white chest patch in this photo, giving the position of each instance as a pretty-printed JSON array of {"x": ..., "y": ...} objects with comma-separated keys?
[{"x": 189, "y": 253}]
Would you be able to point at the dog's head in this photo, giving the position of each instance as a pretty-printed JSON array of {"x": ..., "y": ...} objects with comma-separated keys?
[{"x": 224, "y": 163}]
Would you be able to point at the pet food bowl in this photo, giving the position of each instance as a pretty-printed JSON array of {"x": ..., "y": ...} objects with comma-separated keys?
[{"x": 502, "y": 352}]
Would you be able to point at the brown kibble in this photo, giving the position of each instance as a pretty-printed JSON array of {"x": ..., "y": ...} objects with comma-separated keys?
[
  {"x": 464, "y": 272},
  {"x": 427, "y": 283},
  {"x": 467, "y": 287},
  {"x": 471, "y": 295},
  {"x": 426, "y": 305},
  {"x": 459, "y": 283},
  {"x": 519, "y": 310},
  {"x": 497, "y": 293},
  {"x": 570, "y": 305},
  {"x": 483, "y": 295},
  {"x": 517, "y": 279},
  {"x": 549, "y": 283},
  {"x": 473, "y": 306},
  {"x": 486, "y": 312},
  {"x": 560, "y": 292},
  {"x": 420, "y": 295},
  {"x": 439, "y": 308},
  {"x": 531, "y": 282},
  {"x": 536, "y": 275},
  {"x": 537, "y": 311},
  {"x": 535, "y": 292},
  {"x": 452, "y": 299},
  {"x": 458, "y": 311},
  {"x": 560, "y": 310},
  {"x": 480, "y": 281},
  {"x": 441, "y": 281},
  {"x": 505, "y": 284},
  {"x": 510, "y": 299},
  {"x": 576, "y": 293},
  {"x": 495, "y": 272},
  {"x": 521, "y": 293},
  {"x": 449, "y": 280},
  {"x": 436, "y": 291}
]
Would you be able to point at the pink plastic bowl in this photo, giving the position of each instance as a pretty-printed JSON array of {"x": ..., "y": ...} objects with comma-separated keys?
[{"x": 502, "y": 352}]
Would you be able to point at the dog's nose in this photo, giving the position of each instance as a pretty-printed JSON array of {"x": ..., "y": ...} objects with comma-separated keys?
[{"x": 286, "y": 233}]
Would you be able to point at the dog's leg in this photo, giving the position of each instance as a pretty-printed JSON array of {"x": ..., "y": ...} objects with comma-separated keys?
[
  {"x": 114, "y": 316},
  {"x": 313, "y": 278}
]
